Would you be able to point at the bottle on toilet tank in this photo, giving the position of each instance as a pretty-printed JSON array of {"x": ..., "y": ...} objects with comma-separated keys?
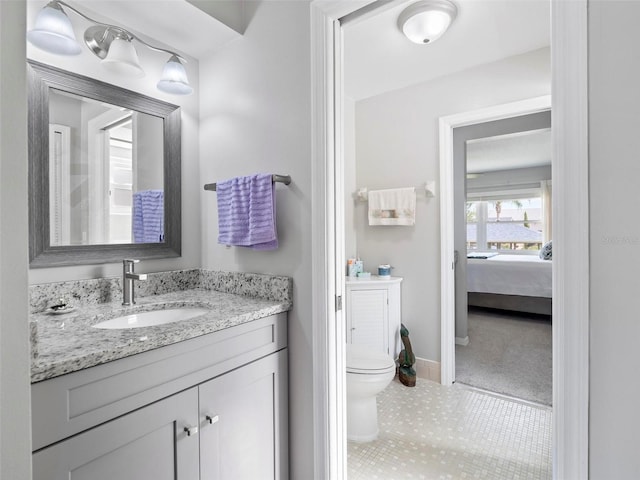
[
  {"x": 384, "y": 271},
  {"x": 359, "y": 266},
  {"x": 351, "y": 267}
]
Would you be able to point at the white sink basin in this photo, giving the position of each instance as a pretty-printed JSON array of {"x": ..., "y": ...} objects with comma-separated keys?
[{"x": 150, "y": 319}]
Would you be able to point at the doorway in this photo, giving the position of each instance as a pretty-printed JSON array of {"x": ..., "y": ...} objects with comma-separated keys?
[
  {"x": 503, "y": 199},
  {"x": 570, "y": 142}
]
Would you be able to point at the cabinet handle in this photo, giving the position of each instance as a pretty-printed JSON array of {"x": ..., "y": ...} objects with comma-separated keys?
[
  {"x": 191, "y": 431},
  {"x": 213, "y": 419}
]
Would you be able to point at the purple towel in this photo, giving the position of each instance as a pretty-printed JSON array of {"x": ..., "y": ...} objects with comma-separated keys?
[
  {"x": 148, "y": 216},
  {"x": 247, "y": 212}
]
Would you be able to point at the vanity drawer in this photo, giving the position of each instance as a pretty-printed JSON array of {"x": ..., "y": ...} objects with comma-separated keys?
[{"x": 69, "y": 404}]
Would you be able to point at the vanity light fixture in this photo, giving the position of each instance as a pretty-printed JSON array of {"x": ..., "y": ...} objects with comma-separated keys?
[
  {"x": 425, "y": 21},
  {"x": 174, "y": 78},
  {"x": 122, "y": 58},
  {"x": 53, "y": 33}
]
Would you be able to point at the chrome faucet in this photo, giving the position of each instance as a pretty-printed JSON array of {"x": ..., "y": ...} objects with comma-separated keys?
[{"x": 128, "y": 276}]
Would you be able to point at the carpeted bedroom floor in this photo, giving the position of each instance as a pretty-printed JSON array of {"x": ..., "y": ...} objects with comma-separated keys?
[{"x": 508, "y": 354}]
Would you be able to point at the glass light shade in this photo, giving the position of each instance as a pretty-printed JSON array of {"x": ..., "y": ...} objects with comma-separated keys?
[
  {"x": 53, "y": 32},
  {"x": 426, "y": 27},
  {"x": 174, "y": 78},
  {"x": 123, "y": 59},
  {"x": 426, "y": 21}
]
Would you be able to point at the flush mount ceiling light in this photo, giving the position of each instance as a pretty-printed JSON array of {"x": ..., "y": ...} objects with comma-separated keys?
[
  {"x": 426, "y": 21},
  {"x": 53, "y": 33}
]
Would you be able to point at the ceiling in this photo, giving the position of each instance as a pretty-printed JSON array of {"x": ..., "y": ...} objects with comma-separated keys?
[
  {"x": 512, "y": 151},
  {"x": 379, "y": 58}
]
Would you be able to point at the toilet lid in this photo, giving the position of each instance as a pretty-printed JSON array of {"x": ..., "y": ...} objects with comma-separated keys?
[{"x": 364, "y": 359}]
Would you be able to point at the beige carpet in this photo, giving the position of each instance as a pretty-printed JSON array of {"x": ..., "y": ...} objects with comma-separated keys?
[{"x": 508, "y": 354}]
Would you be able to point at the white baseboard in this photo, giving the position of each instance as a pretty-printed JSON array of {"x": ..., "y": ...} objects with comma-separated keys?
[
  {"x": 428, "y": 369},
  {"x": 462, "y": 341}
]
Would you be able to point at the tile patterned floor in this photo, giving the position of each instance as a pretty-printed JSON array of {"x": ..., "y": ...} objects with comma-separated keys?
[{"x": 435, "y": 432}]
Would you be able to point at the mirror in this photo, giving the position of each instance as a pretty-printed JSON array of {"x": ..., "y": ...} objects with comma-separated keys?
[
  {"x": 115, "y": 194},
  {"x": 104, "y": 172}
]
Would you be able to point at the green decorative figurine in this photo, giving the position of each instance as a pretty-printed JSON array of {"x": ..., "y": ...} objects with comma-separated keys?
[{"x": 406, "y": 359}]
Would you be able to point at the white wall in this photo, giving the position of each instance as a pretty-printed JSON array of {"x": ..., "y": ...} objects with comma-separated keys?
[
  {"x": 15, "y": 423},
  {"x": 614, "y": 118},
  {"x": 397, "y": 146},
  {"x": 152, "y": 62},
  {"x": 256, "y": 117}
]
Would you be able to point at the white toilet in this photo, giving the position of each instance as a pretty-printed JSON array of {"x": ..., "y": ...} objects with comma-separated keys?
[{"x": 368, "y": 373}]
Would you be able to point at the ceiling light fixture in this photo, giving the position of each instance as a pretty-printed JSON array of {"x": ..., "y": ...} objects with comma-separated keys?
[
  {"x": 53, "y": 33},
  {"x": 426, "y": 21}
]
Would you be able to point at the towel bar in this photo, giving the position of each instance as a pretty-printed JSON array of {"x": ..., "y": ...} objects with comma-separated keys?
[
  {"x": 286, "y": 179},
  {"x": 428, "y": 188}
]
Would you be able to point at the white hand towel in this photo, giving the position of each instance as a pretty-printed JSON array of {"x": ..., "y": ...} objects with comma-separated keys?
[{"x": 395, "y": 206}]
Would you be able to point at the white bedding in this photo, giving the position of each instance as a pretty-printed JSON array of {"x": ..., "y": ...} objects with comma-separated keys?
[{"x": 525, "y": 275}]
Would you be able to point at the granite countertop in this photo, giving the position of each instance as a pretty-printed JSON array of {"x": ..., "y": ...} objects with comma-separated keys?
[{"x": 67, "y": 343}]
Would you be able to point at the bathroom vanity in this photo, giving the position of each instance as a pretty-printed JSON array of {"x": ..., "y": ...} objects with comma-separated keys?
[{"x": 201, "y": 398}]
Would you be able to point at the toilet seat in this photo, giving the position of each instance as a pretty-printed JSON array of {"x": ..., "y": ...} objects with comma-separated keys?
[{"x": 363, "y": 360}]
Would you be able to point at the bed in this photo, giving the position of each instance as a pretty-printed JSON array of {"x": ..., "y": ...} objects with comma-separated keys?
[{"x": 510, "y": 282}]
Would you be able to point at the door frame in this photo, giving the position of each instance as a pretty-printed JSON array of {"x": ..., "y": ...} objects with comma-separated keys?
[
  {"x": 570, "y": 225},
  {"x": 59, "y": 184},
  {"x": 447, "y": 215}
]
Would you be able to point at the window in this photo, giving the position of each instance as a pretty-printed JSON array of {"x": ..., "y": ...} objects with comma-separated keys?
[{"x": 506, "y": 223}]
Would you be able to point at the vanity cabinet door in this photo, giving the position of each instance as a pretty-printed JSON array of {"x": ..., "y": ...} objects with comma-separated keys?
[
  {"x": 373, "y": 313},
  {"x": 149, "y": 443},
  {"x": 368, "y": 319},
  {"x": 243, "y": 417}
]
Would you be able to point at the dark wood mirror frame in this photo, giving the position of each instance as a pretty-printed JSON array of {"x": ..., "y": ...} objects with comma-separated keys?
[{"x": 41, "y": 254}]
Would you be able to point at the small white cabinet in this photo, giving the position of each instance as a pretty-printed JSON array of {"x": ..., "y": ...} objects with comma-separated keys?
[
  {"x": 210, "y": 408},
  {"x": 374, "y": 313}
]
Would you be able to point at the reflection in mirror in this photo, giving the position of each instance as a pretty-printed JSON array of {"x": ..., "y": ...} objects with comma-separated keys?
[{"x": 105, "y": 173}]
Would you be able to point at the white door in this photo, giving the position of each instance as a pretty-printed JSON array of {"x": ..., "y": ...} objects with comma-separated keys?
[
  {"x": 119, "y": 148},
  {"x": 60, "y": 184}
]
